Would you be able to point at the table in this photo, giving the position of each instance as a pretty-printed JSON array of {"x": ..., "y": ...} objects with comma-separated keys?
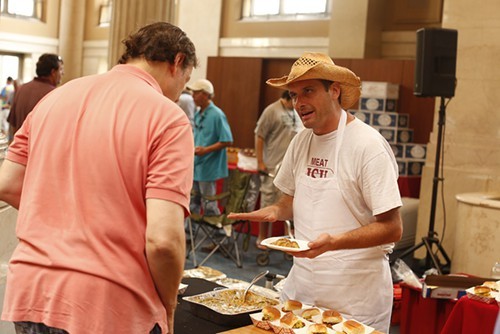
[
  {"x": 250, "y": 329},
  {"x": 471, "y": 316}
]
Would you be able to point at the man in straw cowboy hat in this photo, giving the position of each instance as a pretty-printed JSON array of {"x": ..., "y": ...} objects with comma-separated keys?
[{"x": 339, "y": 184}]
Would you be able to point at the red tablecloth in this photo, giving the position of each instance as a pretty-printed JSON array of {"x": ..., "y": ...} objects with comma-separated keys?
[{"x": 471, "y": 316}]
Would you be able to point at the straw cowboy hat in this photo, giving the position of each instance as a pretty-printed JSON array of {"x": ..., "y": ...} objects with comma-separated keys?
[{"x": 314, "y": 65}]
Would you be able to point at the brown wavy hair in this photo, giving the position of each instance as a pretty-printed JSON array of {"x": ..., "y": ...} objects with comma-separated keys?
[{"x": 160, "y": 41}]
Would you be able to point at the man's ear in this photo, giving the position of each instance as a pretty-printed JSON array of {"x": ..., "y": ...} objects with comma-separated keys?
[
  {"x": 335, "y": 90},
  {"x": 179, "y": 60}
]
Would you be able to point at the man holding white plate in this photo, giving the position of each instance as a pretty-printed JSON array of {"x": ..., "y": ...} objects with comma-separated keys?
[{"x": 339, "y": 185}]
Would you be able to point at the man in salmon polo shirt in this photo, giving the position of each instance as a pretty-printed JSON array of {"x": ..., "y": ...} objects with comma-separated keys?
[{"x": 101, "y": 177}]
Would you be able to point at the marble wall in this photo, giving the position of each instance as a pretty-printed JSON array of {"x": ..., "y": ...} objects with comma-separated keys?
[{"x": 471, "y": 156}]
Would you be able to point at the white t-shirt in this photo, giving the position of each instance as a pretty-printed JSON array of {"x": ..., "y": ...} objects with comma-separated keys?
[{"x": 367, "y": 172}]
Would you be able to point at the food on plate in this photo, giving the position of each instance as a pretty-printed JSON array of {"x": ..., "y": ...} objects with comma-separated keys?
[
  {"x": 317, "y": 329},
  {"x": 353, "y": 327},
  {"x": 310, "y": 312},
  {"x": 331, "y": 317},
  {"x": 290, "y": 320},
  {"x": 270, "y": 313},
  {"x": 291, "y": 305},
  {"x": 492, "y": 285},
  {"x": 284, "y": 242},
  {"x": 482, "y": 291}
]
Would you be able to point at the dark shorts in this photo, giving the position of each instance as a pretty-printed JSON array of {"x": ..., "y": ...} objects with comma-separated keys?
[{"x": 25, "y": 327}]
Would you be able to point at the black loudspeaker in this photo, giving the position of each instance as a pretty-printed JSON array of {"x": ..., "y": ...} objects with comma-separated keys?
[{"x": 435, "y": 62}]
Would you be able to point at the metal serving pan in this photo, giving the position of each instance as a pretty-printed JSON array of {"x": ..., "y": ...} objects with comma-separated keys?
[{"x": 222, "y": 307}]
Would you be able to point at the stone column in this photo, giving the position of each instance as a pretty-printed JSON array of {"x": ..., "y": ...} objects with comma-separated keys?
[
  {"x": 71, "y": 36},
  {"x": 129, "y": 15}
]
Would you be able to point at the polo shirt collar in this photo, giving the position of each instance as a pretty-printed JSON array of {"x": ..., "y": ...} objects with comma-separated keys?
[{"x": 133, "y": 70}]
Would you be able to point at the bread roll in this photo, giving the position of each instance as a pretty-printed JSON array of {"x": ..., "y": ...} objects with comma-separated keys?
[
  {"x": 270, "y": 313},
  {"x": 309, "y": 313},
  {"x": 331, "y": 317},
  {"x": 317, "y": 329},
  {"x": 492, "y": 285},
  {"x": 290, "y": 320},
  {"x": 353, "y": 327},
  {"x": 482, "y": 290},
  {"x": 291, "y": 305}
]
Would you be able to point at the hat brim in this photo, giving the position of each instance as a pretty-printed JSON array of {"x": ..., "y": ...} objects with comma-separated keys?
[{"x": 350, "y": 84}]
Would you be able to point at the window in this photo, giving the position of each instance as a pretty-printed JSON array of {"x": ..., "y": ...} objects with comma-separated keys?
[
  {"x": 105, "y": 14},
  {"x": 21, "y": 8},
  {"x": 285, "y": 9}
]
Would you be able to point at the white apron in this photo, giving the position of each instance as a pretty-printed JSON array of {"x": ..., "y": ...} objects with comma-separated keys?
[{"x": 357, "y": 283}]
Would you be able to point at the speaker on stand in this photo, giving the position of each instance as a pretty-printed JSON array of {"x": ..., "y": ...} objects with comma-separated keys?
[{"x": 435, "y": 77}]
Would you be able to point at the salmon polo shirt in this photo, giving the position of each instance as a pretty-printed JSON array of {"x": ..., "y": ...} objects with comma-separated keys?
[{"x": 94, "y": 150}]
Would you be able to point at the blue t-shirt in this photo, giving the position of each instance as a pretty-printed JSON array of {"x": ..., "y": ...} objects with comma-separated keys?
[{"x": 211, "y": 127}]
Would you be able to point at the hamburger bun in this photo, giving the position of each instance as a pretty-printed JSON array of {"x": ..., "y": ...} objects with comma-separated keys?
[
  {"x": 353, "y": 327},
  {"x": 291, "y": 305},
  {"x": 310, "y": 312},
  {"x": 317, "y": 329},
  {"x": 290, "y": 320},
  {"x": 331, "y": 317},
  {"x": 270, "y": 313},
  {"x": 492, "y": 285},
  {"x": 482, "y": 290}
]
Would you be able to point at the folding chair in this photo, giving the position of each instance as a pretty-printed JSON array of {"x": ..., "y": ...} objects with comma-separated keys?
[{"x": 232, "y": 200}]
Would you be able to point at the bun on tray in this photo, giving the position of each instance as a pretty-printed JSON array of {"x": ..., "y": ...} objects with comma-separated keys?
[
  {"x": 331, "y": 317},
  {"x": 482, "y": 290},
  {"x": 310, "y": 312},
  {"x": 317, "y": 329},
  {"x": 290, "y": 320},
  {"x": 291, "y": 305},
  {"x": 353, "y": 327},
  {"x": 270, "y": 313}
]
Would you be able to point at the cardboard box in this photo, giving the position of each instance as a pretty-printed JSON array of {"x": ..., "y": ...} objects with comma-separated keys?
[
  {"x": 381, "y": 89},
  {"x": 405, "y": 136},
  {"x": 363, "y": 115},
  {"x": 378, "y": 104},
  {"x": 449, "y": 286},
  {"x": 398, "y": 150},
  {"x": 390, "y": 134},
  {"x": 389, "y": 119},
  {"x": 415, "y": 151},
  {"x": 403, "y": 120}
]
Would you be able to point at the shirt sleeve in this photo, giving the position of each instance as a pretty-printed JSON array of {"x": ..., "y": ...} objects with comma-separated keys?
[
  {"x": 170, "y": 174},
  {"x": 18, "y": 150}
]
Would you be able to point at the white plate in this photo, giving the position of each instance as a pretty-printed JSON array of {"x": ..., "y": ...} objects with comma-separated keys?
[{"x": 269, "y": 243}]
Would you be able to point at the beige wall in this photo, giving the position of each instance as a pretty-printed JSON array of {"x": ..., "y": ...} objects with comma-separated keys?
[{"x": 471, "y": 154}]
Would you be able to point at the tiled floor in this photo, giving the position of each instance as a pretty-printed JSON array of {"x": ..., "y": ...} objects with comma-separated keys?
[{"x": 277, "y": 265}]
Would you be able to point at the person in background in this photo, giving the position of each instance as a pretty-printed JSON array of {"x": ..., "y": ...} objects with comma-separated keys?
[
  {"x": 7, "y": 91},
  {"x": 276, "y": 127},
  {"x": 101, "y": 178},
  {"x": 49, "y": 71},
  {"x": 6, "y": 98},
  {"x": 339, "y": 184},
  {"x": 212, "y": 134},
  {"x": 186, "y": 102}
]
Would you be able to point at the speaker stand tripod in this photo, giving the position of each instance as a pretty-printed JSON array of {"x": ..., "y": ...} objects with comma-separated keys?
[{"x": 431, "y": 238}]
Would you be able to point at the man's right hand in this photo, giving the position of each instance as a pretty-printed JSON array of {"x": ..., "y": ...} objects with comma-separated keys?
[{"x": 267, "y": 214}]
